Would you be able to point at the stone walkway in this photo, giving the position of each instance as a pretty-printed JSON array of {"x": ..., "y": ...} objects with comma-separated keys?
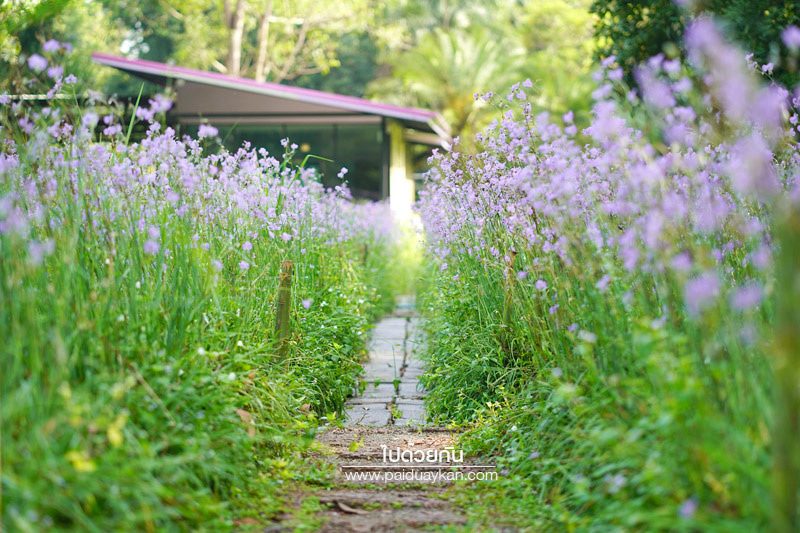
[
  {"x": 369, "y": 494},
  {"x": 393, "y": 394}
]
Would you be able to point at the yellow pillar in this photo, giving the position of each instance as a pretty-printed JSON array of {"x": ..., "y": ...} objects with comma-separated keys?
[{"x": 401, "y": 184}]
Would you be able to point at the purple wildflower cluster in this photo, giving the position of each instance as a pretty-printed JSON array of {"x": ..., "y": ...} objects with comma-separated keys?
[
  {"x": 678, "y": 178},
  {"x": 52, "y": 160}
]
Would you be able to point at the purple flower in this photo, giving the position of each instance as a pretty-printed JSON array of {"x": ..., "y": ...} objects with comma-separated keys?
[
  {"x": 341, "y": 173},
  {"x": 655, "y": 92},
  {"x": 791, "y": 37},
  {"x": 682, "y": 262},
  {"x": 522, "y": 275},
  {"x": 751, "y": 167},
  {"x": 25, "y": 124},
  {"x": 615, "y": 482},
  {"x": 553, "y": 309},
  {"x": 761, "y": 257},
  {"x": 111, "y": 131},
  {"x": 142, "y": 113},
  {"x": 55, "y": 72},
  {"x": 151, "y": 247},
  {"x": 51, "y": 46},
  {"x": 602, "y": 284},
  {"x": 688, "y": 508},
  {"x": 37, "y": 63},
  {"x": 161, "y": 104},
  {"x": 747, "y": 296},
  {"x": 700, "y": 292},
  {"x": 217, "y": 265},
  {"x": 244, "y": 265},
  {"x": 247, "y": 246},
  {"x": 540, "y": 285},
  {"x": 307, "y": 303},
  {"x": 206, "y": 130},
  {"x": 89, "y": 120},
  {"x": 37, "y": 251}
]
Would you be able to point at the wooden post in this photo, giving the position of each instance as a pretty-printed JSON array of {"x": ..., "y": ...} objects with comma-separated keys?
[
  {"x": 508, "y": 302},
  {"x": 511, "y": 277},
  {"x": 283, "y": 311}
]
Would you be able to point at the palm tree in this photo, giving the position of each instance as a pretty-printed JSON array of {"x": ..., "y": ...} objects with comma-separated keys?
[{"x": 445, "y": 70}]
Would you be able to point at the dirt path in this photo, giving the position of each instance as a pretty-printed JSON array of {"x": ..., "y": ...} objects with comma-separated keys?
[
  {"x": 369, "y": 495},
  {"x": 371, "y": 492}
]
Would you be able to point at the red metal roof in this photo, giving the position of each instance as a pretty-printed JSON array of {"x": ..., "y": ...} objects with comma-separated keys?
[{"x": 431, "y": 119}]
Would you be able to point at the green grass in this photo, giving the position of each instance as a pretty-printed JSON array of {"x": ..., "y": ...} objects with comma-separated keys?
[
  {"x": 615, "y": 424},
  {"x": 145, "y": 392}
]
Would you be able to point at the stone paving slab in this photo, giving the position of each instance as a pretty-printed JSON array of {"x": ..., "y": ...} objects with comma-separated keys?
[
  {"x": 410, "y": 389},
  {"x": 384, "y": 391},
  {"x": 375, "y": 414},
  {"x": 380, "y": 372},
  {"x": 386, "y": 356},
  {"x": 390, "y": 331},
  {"x": 393, "y": 321},
  {"x": 412, "y": 412},
  {"x": 388, "y": 346}
]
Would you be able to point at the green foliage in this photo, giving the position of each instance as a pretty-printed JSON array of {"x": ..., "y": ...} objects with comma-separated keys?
[
  {"x": 429, "y": 54},
  {"x": 16, "y": 18},
  {"x": 617, "y": 424},
  {"x": 634, "y": 31},
  {"x": 144, "y": 393},
  {"x": 557, "y": 36},
  {"x": 358, "y": 64},
  {"x": 445, "y": 70},
  {"x": 467, "y": 49}
]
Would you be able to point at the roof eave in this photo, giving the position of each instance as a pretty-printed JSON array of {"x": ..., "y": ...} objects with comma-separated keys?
[{"x": 168, "y": 71}]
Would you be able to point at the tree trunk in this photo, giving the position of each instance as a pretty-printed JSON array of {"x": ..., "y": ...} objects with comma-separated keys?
[
  {"x": 263, "y": 41},
  {"x": 235, "y": 22},
  {"x": 298, "y": 47}
]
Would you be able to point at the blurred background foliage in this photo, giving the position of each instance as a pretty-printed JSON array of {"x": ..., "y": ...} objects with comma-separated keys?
[
  {"x": 634, "y": 31},
  {"x": 429, "y": 53}
]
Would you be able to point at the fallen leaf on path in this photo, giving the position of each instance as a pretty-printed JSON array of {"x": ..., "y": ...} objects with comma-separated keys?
[
  {"x": 247, "y": 418},
  {"x": 350, "y": 510}
]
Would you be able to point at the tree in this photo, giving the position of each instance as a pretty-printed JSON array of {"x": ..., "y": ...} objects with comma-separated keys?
[
  {"x": 447, "y": 68},
  {"x": 557, "y": 36},
  {"x": 234, "y": 21},
  {"x": 301, "y": 37},
  {"x": 357, "y": 55},
  {"x": 20, "y": 22}
]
